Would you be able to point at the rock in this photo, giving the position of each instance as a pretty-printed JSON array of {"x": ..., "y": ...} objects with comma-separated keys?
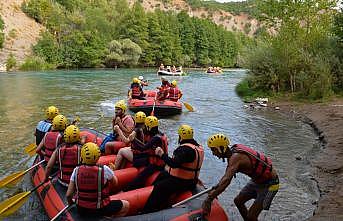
[{"x": 298, "y": 158}]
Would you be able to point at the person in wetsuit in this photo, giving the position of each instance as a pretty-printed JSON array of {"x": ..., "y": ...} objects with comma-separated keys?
[
  {"x": 262, "y": 187},
  {"x": 181, "y": 172}
]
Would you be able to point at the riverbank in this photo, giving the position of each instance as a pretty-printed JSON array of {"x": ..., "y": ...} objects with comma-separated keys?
[{"x": 327, "y": 164}]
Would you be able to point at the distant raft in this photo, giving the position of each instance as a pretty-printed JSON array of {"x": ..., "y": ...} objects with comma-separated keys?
[{"x": 162, "y": 108}]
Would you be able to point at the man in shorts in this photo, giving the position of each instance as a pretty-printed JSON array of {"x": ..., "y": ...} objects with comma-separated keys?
[{"x": 262, "y": 187}]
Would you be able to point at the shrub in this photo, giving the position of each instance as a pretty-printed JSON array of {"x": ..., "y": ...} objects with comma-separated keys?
[
  {"x": 35, "y": 64},
  {"x": 11, "y": 62}
]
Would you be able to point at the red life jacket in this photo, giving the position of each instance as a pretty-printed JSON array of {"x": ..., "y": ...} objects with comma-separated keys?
[
  {"x": 68, "y": 158},
  {"x": 262, "y": 165},
  {"x": 155, "y": 159},
  {"x": 138, "y": 141},
  {"x": 191, "y": 170},
  {"x": 92, "y": 192},
  {"x": 174, "y": 93},
  {"x": 51, "y": 140},
  {"x": 124, "y": 121},
  {"x": 136, "y": 90}
]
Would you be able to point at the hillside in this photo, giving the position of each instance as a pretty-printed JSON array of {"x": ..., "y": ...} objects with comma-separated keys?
[{"x": 21, "y": 31}]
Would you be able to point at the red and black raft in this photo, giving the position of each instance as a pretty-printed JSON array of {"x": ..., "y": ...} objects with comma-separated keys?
[
  {"x": 162, "y": 108},
  {"x": 52, "y": 197}
]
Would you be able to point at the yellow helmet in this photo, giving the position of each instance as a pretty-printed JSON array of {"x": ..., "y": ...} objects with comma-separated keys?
[
  {"x": 174, "y": 83},
  {"x": 51, "y": 112},
  {"x": 59, "y": 122},
  {"x": 151, "y": 122},
  {"x": 185, "y": 132},
  {"x": 90, "y": 153},
  {"x": 135, "y": 80},
  {"x": 140, "y": 117},
  {"x": 121, "y": 104},
  {"x": 72, "y": 134},
  {"x": 219, "y": 142}
]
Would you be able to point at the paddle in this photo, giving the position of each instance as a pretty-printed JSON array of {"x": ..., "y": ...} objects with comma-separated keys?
[
  {"x": 31, "y": 148},
  {"x": 153, "y": 107},
  {"x": 192, "y": 197},
  {"x": 14, "y": 178},
  {"x": 62, "y": 211},
  {"x": 12, "y": 204},
  {"x": 188, "y": 106}
]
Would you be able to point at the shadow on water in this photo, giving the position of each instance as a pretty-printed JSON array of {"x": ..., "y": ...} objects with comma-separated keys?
[{"x": 91, "y": 94}]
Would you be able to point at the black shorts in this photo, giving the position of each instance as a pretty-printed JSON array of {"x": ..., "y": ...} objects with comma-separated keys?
[
  {"x": 262, "y": 193},
  {"x": 111, "y": 209},
  {"x": 140, "y": 160}
]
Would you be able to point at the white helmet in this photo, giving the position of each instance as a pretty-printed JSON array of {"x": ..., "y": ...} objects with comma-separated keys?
[{"x": 141, "y": 78}]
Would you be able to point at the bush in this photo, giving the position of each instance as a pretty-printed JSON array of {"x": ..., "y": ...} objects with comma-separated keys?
[
  {"x": 35, "y": 64},
  {"x": 11, "y": 62},
  {"x": 2, "y": 35}
]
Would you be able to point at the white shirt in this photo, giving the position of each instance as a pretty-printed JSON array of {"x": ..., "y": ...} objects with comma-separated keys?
[{"x": 108, "y": 174}]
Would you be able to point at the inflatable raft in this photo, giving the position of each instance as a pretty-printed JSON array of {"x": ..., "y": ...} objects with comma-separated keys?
[
  {"x": 52, "y": 197},
  {"x": 169, "y": 73},
  {"x": 162, "y": 108}
]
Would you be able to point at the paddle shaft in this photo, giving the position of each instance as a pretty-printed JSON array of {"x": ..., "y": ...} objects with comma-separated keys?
[
  {"x": 37, "y": 164},
  {"x": 192, "y": 197},
  {"x": 153, "y": 107},
  {"x": 61, "y": 212}
]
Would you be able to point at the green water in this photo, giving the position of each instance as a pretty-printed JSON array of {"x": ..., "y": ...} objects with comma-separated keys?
[{"x": 91, "y": 95}]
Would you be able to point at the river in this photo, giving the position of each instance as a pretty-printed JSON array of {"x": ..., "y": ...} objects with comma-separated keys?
[{"x": 91, "y": 95}]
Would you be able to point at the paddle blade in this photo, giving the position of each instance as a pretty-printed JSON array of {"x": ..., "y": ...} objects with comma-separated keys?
[
  {"x": 188, "y": 106},
  {"x": 31, "y": 149},
  {"x": 12, "y": 179},
  {"x": 12, "y": 204}
]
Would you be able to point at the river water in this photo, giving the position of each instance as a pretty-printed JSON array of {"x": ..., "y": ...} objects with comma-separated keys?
[{"x": 91, "y": 95}]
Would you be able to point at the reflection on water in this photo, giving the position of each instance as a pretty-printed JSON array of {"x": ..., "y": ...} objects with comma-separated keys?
[{"x": 91, "y": 95}]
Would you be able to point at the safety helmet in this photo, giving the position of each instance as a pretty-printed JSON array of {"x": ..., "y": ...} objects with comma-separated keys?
[
  {"x": 59, "y": 122},
  {"x": 219, "y": 142},
  {"x": 174, "y": 83},
  {"x": 51, "y": 112},
  {"x": 140, "y": 117},
  {"x": 72, "y": 134},
  {"x": 90, "y": 153},
  {"x": 151, "y": 122},
  {"x": 121, "y": 104},
  {"x": 185, "y": 132},
  {"x": 141, "y": 78},
  {"x": 135, "y": 80}
]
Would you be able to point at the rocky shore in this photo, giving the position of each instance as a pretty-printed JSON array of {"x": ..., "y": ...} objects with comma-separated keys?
[{"x": 327, "y": 122}]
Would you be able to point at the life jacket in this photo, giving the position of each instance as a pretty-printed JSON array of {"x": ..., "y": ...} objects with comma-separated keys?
[
  {"x": 261, "y": 165},
  {"x": 163, "y": 92},
  {"x": 136, "y": 90},
  {"x": 92, "y": 191},
  {"x": 42, "y": 128},
  {"x": 174, "y": 93},
  {"x": 155, "y": 159},
  {"x": 51, "y": 141},
  {"x": 138, "y": 141},
  {"x": 124, "y": 121},
  {"x": 190, "y": 170},
  {"x": 68, "y": 158}
]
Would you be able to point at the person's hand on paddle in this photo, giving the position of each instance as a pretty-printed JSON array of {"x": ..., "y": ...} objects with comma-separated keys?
[
  {"x": 206, "y": 207},
  {"x": 159, "y": 151}
]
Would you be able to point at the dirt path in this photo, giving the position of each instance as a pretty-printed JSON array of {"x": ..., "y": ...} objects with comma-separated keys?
[
  {"x": 21, "y": 32},
  {"x": 327, "y": 121}
]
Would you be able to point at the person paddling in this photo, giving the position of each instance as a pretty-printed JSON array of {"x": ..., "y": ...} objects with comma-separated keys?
[
  {"x": 67, "y": 156},
  {"x": 174, "y": 93},
  {"x": 262, "y": 187},
  {"x": 52, "y": 139},
  {"x": 90, "y": 183},
  {"x": 44, "y": 126},
  {"x": 181, "y": 172}
]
